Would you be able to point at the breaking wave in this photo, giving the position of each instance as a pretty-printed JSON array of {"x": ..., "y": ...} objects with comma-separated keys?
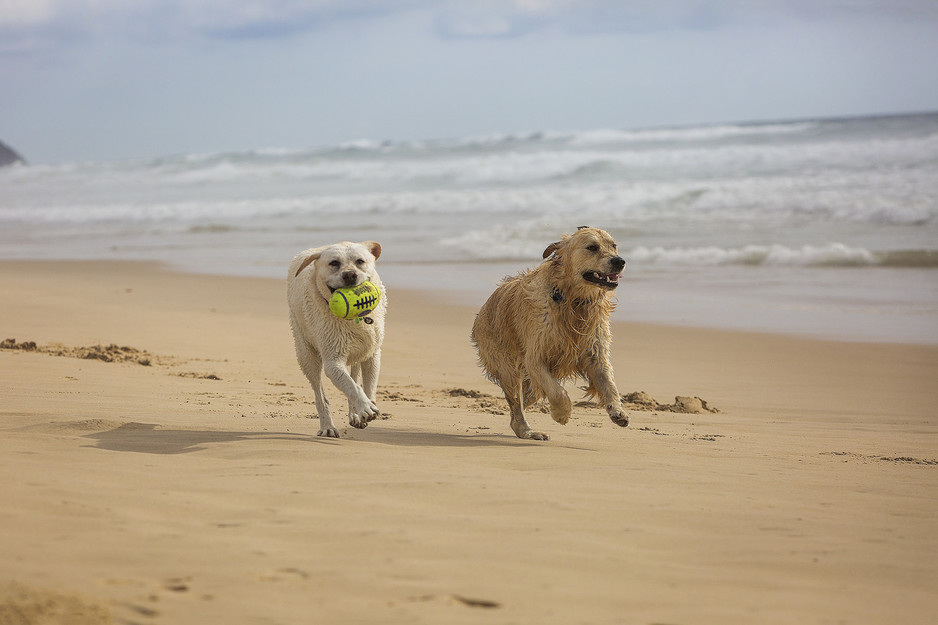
[{"x": 830, "y": 255}]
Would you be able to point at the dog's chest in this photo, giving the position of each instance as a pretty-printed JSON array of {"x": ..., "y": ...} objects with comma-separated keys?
[
  {"x": 359, "y": 341},
  {"x": 569, "y": 330}
]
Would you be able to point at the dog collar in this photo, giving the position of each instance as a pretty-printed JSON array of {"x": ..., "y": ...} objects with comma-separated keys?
[{"x": 559, "y": 298}]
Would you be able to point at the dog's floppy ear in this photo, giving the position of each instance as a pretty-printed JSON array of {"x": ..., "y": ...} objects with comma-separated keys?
[
  {"x": 552, "y": 248},
  {"x": 374, "y": 247},
  {"x": 309, "y": 259}
]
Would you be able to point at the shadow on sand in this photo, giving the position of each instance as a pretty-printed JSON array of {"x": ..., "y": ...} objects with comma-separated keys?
[{"x": 150, "y": 438}]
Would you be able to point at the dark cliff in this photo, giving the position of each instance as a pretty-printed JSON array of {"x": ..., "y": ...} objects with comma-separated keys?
[{"x": 8, "y": 156}]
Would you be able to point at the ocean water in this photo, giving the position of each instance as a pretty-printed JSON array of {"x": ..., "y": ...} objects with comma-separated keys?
[{"x": 826, "y": 228}]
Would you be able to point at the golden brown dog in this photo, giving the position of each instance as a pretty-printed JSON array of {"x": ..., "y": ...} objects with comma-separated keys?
[{"x": 551, "y": 324}]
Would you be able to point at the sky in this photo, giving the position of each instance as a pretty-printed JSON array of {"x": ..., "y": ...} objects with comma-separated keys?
[{"x": 116, "y": 79}]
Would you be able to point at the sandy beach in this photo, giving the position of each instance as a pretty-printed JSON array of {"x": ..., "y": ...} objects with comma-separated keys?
[{"x": 176, "y": 477}]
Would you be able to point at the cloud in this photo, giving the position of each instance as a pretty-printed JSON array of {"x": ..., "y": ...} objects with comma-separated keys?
[
  {"x": 34, "y": 24},
  {"x": 500, "y": 19},
  {"x": 27, "y": 25},
  {"x": 513, "y": 18},
  {"x": 264, "y": 19},
  {"x": 25, "y": 12}
]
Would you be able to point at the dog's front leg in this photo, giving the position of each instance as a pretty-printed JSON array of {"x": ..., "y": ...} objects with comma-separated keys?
[
  {"x": 599, "y": 372},
  {"x": 361, "y": 408},
  {"x": 362, "y": 375}
]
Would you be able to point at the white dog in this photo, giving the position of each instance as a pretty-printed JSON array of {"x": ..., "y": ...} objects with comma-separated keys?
[{"x": 349, "y": 352}]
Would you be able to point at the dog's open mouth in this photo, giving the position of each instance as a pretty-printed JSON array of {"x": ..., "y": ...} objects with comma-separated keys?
[
  {"x": 607, "y": 280},
  {"x": 333, "y": 289}
]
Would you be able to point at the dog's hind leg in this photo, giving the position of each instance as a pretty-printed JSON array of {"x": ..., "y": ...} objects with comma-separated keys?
[
  {"x": 515, "y": 395},
  {"x": 528, "y": 396},
  {"x": 369, "y": 382},
  {"x": 311, "y": 364},
  {"x": 560, "y": 405}
]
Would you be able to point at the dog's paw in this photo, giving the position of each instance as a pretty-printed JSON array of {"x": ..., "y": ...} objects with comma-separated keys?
[
  {"x": 617, "y": 416},
  {"x": 328, "y": 433},
  {"x": 561, "y": 413},
  {"x": 561, "y": 408},
  {"x": 529, "y": 434},
  {"x": 361, "y": 414}
]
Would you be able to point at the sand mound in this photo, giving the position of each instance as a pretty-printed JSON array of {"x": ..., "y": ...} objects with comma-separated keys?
[
  {"x": 475, "y": 400},
  {"x": 22, "y": 605},
  {"x": 640, "y": 400},
  {"x": 106, "y": 353},
  {"x": 197, "y": 375},
  {"x": 865, "y": 458}
]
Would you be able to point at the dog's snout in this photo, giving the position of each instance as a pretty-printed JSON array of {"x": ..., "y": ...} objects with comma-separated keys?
[
  {"x": 617, "y": 262},
  {"x": 350, "y": 278}
]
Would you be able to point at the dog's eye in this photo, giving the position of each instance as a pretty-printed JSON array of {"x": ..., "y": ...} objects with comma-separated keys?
[
  {"x": 360, "y": 262},
  {"x": 334, "y": 263},
  {"x": 593, "y": 247}
]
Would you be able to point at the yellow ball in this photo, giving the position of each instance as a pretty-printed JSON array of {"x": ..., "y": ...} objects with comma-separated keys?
[{"x": 355, "y": 302}]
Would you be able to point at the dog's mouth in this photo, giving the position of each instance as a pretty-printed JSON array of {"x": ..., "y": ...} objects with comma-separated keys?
[
  {"x": 346, "y": 284},
  {"x": 605, "y": 280}
]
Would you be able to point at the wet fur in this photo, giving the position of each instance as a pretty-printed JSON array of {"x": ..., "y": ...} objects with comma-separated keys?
[
  {"x": 550, "y": 324},
  {"x": 349, "y": 353}
]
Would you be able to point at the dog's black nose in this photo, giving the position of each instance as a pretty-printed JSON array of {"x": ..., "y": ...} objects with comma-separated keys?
[
  {"x": 617, "y": 263},
  {"x": 349, "y": 278}
]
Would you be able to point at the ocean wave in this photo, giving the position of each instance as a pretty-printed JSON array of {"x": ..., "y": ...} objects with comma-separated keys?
[
  {"x": 92, "y": 215},
  {"x": 702, "y": 134},
  {"x": 604, "y": 157},
  {"x": 491, "y": 142},
  {"x": 506, "y": 196},
  {"x": 669, "y": 206},
  {"x": 829, "y": 255},
  {"x": 915, "y": 259},
  {"x": 526, "y": 239},
  {"x": 596, "y": 137},
  {"x": 899, "y": 160}
]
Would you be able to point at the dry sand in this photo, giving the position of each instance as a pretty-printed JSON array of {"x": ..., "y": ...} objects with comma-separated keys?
[{"x": 182, "y": 482}]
